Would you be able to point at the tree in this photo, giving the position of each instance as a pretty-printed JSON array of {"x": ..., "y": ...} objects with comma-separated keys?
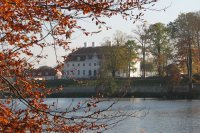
[
  {"x": 159, "y": 45},
  {"x": 132, "y": 55},
  {"x": 185, "y": 31},
  {"x": 114, "y": 60},
  {"x": 148, "y": 66},
  {"x": 120, "y": 56},
  {"x": 119, "y": 38},
  {"x": 29, "y": 24},
  {"x": 142, "y": 40},
  {"x": 117, "y": 58},
  {"x": 173, "y": 77}
]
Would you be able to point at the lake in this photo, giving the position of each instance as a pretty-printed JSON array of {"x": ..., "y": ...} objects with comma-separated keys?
[
  {"x": 164, "y": 116},
  {"x": 176, "y": 116}
]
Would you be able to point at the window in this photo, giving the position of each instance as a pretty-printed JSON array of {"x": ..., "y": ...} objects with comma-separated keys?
[
  {"x": 78, "y": 72},
  {"x": 67, "y": 72},
  {"x": 95, "y": 64},
  {"x": 78, "y": 64},
  {"x": 67, "y": 65},
  {"x": 83, "y": 72},
  {"x": 95, "y": 72},
  {"x": 83, "y": 64},
  {"x": 99, "y": 63},
  {"x": 78, "y": 58},
  {"x": 72, "y": 64},
  {"x": 89, "y": 64},
  {"x": 46, "y": 73},
  {"x": 90, "y": 73}
]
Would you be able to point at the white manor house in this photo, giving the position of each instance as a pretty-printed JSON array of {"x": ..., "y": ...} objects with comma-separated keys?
[{"x": 85, "y": 62}]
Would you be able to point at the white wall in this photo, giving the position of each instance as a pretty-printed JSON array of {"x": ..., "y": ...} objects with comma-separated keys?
[
  {"x": 136, "y": 73},
  {"x": 44, "y": 78},
  {"x": 73, "y": 67}
]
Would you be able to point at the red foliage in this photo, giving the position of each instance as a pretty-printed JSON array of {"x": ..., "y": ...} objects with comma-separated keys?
[{"x": 25, "y": 24}]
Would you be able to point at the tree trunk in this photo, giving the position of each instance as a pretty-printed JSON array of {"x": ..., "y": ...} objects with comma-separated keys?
[
  {"x": 198, "y": 45},
  {"x": 129, "y": 70},
  {"x": 144, "y": 58},
  {"x": 144, "y": 63},
  {"x": 113, "y": 73},
  {"x": 190, "y": 65},
  {"x": 159, "y": 62}
]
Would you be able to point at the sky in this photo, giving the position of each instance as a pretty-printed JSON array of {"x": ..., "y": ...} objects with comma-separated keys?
[{"x": 175, "y": 7}]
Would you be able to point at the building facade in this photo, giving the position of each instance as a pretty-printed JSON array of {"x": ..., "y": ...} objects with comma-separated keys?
[
  {"x": 86, "y": 63},
  {"x": 83, "y": 63},
  {"x": 43, "y": 73}
]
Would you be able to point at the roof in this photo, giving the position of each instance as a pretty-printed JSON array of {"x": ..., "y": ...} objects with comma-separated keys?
[
  {"x": 43, "y": 71},
  {"x": 86, "y": 52}
]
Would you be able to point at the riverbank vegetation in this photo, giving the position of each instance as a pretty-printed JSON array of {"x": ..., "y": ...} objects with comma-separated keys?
[{"x": 151, "y": 87}]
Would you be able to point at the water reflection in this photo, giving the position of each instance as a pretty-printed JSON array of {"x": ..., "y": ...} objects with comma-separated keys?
[
  {"x": 164, "y": 116},
  {"x": 180, "y": 116}
]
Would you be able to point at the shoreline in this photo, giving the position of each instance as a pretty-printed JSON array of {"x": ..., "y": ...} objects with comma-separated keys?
[{"x": 170, "y": 96}]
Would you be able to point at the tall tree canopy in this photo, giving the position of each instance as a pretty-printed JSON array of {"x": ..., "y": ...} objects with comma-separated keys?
[
  {"x": 159, "y": 45},
  {"x": 185, "y": 31},
  {"x": 120, "y": 55},
  {"x": 141, "y": 37},
  {"x": 28, "y": 24},
  {"x": 132, "y": 55},
  {"x": 114, "y": 60}
]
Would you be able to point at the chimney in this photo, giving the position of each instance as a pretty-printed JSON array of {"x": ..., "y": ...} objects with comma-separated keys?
[
  {"x": 85, "y": 44},
  {"x": 93, "y": 44}
]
